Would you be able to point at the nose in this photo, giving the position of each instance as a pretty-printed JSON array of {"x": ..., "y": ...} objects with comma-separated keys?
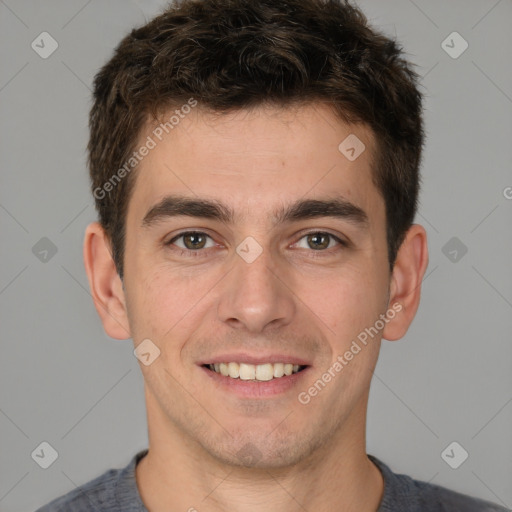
[{"x": 256, "y": 295}]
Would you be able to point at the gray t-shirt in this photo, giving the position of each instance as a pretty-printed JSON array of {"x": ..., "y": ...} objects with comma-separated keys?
[{"x": 116, "y": 491}]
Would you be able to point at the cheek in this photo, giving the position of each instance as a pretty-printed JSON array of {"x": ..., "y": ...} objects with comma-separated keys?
[
  {"x": 348, "y": 301},
  {"x": 164, "y": 302}
]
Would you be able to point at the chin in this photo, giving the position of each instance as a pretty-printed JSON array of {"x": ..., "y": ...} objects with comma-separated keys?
[{"x": 263, "y": 450}]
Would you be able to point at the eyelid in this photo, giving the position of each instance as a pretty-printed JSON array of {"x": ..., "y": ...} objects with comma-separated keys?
[
  {"x": 189, "y": 232},
  {"x": 338, "y": 238}
]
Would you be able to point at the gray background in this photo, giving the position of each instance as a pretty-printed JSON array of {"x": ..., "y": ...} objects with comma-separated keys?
[{"x": 65, "y": 382}]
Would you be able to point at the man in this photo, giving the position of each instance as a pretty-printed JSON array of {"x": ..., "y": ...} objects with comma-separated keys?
[{"x": 255, "y": 166}]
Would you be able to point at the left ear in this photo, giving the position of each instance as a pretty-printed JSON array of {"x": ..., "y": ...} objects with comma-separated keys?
[{"x": 405, "y": 288}]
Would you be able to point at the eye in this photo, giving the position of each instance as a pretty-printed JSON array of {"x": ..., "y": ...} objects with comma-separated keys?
[
  {"x": 192, "y": 240},
  {"x": 319, "y": 241},
  {"x": 190, "y": 243}
]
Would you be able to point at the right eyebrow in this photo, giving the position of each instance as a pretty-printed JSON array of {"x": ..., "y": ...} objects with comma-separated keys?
[{"x": 174, "y": 206}]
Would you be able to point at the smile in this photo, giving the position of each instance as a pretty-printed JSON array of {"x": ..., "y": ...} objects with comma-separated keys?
[{"x": 255, "y": 372}]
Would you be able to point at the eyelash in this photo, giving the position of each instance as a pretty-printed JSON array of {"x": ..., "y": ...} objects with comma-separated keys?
[{"x": 204, "y": 252}]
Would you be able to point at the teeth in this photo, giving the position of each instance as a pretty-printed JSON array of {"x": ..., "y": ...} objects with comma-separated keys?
[
  {"x": 264, "y": 372},
  {"x": 259, "y": 372},
  {"x": 278, "y": 370},
  {"x": 247, "y": 371},
  {"x": 234, "y": 370}
]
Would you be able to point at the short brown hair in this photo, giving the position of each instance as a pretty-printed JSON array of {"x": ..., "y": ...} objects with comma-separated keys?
[{"x": 236, "y": 54}]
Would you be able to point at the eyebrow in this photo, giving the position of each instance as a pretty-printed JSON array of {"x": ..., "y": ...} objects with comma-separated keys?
[{"x": 302, "y": 209}]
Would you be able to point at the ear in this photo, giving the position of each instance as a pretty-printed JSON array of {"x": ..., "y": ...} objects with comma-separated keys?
[
  {"x": 105, "y": 284},
  {"x": 405, "y": 288}
]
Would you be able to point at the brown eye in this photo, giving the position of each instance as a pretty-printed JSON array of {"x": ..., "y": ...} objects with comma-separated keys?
[
  {"x": 191, "y": 240},
  {"x": 318, "y": 240},
  {"x": 194, "y": 241}
]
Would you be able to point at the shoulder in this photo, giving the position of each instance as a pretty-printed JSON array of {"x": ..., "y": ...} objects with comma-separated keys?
[
  {"x": 94, "y": 495},
  {"x": 108, "y": 492},
  {"x": 403, "y": 493},
  {"x": 443, "y": 499}
]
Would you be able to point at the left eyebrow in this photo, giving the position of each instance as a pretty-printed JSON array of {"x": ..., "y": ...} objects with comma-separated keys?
[
  {"x": 315, "y": 208},
  {"x": 302, "y": 209}
]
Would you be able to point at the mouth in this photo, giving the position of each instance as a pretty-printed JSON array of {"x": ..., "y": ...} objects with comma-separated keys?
[
  {"x": 256, "y": 376},
  {"x": 255, "y": 372}
]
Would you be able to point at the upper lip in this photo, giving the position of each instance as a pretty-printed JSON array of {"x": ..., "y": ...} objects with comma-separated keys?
[{"x": 255, "y": 359}]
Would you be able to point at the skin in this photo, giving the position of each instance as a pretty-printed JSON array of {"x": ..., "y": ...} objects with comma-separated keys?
[{"x": 308, "y": 457}]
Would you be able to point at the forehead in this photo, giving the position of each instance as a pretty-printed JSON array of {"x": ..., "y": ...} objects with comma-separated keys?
[{"x": 256, "y": 159}]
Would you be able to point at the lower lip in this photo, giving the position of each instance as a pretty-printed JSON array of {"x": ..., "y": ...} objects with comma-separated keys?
[{"x": 260, "y": 389}]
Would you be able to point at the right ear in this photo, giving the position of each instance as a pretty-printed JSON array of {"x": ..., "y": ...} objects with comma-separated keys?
[{"x": 105, "y": 284}]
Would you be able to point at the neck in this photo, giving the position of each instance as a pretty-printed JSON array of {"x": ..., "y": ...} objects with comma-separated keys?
[{"x": 178, "y": 472}]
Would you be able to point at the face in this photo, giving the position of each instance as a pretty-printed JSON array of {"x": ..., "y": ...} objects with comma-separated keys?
[{"x": 286, "y": 265}]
